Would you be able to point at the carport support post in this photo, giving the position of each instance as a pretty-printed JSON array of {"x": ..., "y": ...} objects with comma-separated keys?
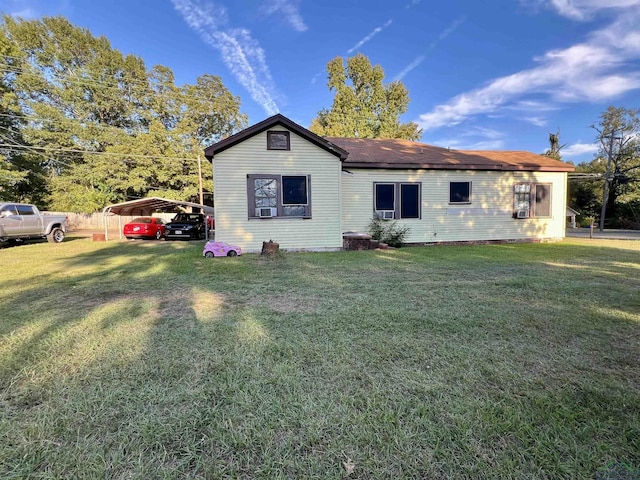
[
  {"x": 106, "y": 227},
  {"x": 120, "y": 225}
]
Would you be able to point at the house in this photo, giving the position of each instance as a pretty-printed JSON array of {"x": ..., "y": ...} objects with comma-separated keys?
[
  {"x": 277, "y": 180},
  {"x": 571, "y": 215}
]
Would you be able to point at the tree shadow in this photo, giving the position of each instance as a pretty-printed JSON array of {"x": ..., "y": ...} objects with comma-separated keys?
[{"x": 191, "y": 358}]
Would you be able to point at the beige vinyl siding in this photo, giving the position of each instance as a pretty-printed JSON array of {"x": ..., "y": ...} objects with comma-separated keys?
[
  {"x": 489, "y": 216},
  {"x": 230, "y": 170}
]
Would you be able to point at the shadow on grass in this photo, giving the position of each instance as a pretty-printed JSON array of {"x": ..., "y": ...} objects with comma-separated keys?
[{"x": 155, "y": 361}]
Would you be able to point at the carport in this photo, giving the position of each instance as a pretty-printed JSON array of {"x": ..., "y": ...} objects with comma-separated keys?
[{"x": 147, "y": 206}]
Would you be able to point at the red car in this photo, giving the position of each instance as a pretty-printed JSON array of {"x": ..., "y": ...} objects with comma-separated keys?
[{"x": 144, "y": 227}]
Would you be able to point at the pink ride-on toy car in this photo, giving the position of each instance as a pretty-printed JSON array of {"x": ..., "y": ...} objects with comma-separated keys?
[{"x": 220, "y": 249}]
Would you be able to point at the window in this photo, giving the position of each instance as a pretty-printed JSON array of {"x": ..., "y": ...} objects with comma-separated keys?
[
  {"x": 397, "y": 200},
  {"x": 25, "y": 210},
  {"x": 532, "y": 200},
  {"x": 279, "y": 196},
  {"x": 543, "y": 200},
  {"x": 8, "y": 210},
  {"x": 278, "y": 140},
  {"x": 459, "y": 192},
  {"x": 385, "y": 196}
]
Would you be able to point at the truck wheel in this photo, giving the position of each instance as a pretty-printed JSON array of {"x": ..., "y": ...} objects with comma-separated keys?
[{"x": 55, "y": 236}]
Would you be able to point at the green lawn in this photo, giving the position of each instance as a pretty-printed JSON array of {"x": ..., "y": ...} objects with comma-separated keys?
[{"x": 146, "y": 360}]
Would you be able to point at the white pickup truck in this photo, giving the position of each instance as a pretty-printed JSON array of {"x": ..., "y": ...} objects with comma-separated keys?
[{"x": 21, "y": 221}]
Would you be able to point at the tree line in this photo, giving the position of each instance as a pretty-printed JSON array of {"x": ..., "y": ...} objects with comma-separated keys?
[
  {"x": 83, "y": 126},
  {"x": 608, "y": 190}
]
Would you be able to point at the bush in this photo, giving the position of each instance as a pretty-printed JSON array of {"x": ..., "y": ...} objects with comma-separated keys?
[
  {"x": 586, "y": 221},
  {"x": 387, "y": 231}
]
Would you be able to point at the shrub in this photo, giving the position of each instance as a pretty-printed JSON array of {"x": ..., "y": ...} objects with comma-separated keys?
[
  {"x": 387, "y": 231},
  {"x": 586, "y": 221}
]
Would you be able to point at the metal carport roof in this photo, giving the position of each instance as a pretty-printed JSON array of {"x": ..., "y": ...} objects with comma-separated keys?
[{"x": 146, "y": 206}]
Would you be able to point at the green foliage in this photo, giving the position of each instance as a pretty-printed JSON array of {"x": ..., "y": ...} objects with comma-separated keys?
[
  {"x": 387, "y": 231},
  {"x": 102, "y": 126},
  {"x": 619, "y": 138},
  {"x": 586, "y": 221},
  {"x": 554, "y": 146},
  {"x": 586, "y": 194},
  {"x": 363, "y": 106}
]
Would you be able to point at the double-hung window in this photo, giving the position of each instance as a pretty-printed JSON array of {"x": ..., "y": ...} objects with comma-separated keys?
[
  {"x": 279, "y": 196},
  {"x": 459, "y": 192},
  {"x": 532, "y": 200},
  {"x": 397, "y": 200}
]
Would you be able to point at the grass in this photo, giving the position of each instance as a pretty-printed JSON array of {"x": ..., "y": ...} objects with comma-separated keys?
[{"x": 146, "y": 360}]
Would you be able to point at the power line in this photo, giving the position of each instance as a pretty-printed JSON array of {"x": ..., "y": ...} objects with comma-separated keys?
[
  {"x": 124, "y": 83},
  {"x": 23, "y": 147},
  {"x": 89, "y": 152}
]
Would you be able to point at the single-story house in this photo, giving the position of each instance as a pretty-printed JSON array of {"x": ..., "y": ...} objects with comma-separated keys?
[{"x": 278, "y": 181}]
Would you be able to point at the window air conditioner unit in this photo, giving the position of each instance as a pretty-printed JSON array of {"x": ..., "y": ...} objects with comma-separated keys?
[
  {"x": 386, "y": 214},
  {"x": 524, "y": 213},
  {"x": 266, "y": 212}
]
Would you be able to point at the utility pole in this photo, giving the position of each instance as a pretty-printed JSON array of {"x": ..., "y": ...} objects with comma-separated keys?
[
  {"x": 200, "y": 180},
  {"x": 607, "y": 179}
]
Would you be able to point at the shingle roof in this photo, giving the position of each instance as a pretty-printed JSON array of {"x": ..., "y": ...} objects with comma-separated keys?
[
  {"x": 274, "y": 120},
  {"x": 394, "y": 153}
]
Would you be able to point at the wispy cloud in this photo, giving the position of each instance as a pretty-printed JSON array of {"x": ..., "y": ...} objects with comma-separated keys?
[
  {"x": 26, "y": 13},
  {"x": 30, "y": 9},
  {"x": 584, "y": 9},
  {"x": 598, "y": 69},
  {"x": 241, "y": 54},
  {"x": 483, "y": 132},
  {"x": 578, "y": 149},
  {"x": 290, "y": 11},
  {"x": 536, "y": 121},
  {"x": 420, "y": 58},
  {"x": 375, "y": 31},
  {"x": 474, "y": 138},
  {"x": 458, "y": 144}
]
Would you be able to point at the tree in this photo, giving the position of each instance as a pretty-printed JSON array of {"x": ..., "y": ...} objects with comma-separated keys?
[
  {"x": 619, "y": 138},
  {"x": 21, "y": 178},
  {"x": 363, "y": 106},
  {"x": 585, "y": 193},
  {"x": 554, "y": 146},
  {"x": 105, "y": 127}
]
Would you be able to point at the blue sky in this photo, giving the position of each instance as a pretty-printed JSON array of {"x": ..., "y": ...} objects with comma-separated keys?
[{"x": 499, "y": 74}]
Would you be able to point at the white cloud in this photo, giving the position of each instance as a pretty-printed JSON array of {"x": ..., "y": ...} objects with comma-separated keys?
[
  {"x": 475, "y": 138},
  {"x": 27, "y": 14},
  {"x": 598, "y": 69},
  {"x": 241, "y": 54},
  {"x": 375, "y": 31},
  {"x": 460, "y": 145},
  {"x": 585, "y": 9},
  {"x": 578, "y": 149},
  {"x": 417, "y": 61},
  {"x": 536, "y": 121},
  {"x": 289, "y": 9},
  {"x": 420, "y": 58},
  {"x": 483, "y": 132},
  {"x": 31, "y": 9}
]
